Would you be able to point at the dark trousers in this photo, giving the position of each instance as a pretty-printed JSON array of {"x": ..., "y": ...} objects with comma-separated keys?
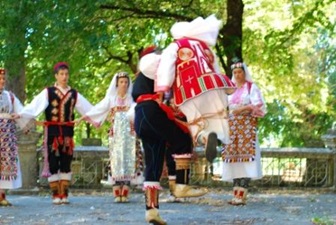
[
  {"x": 170, "y": 163},
  {"x": 156, "y": 130},
  {"x": 60, "y": 158}
]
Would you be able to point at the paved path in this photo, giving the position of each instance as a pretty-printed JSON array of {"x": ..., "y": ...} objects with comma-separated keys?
[{"x": 97, "y": 208}]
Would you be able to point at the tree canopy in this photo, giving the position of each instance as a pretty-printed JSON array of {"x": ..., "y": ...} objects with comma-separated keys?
[{"x": 289, "y": 47}]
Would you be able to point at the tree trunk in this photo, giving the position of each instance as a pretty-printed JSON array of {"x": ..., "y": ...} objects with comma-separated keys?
[
  {"x": 16, "y": 79},
  {"x": 230, "y": 37},
  {"x": 15, "y": 47}
]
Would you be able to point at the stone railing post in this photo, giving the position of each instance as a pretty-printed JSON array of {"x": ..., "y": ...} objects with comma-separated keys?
[
  {"x": 27, "y": 145},
  {"x": 329, "y": 140}
]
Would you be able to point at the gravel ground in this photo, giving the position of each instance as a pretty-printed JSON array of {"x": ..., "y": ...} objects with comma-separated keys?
[{"x": 298, "y": 207}]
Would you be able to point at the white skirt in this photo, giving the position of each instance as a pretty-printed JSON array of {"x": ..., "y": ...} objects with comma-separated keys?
[
  {"x": 210, "y": 102},
  {"x": 235, "y": 170},
  {"x": 13, "y": 184}
]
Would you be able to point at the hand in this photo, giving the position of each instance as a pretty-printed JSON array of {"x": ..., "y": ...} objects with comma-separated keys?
[
  {"x": 15, "y": 116},
  {"x": 39, "y": 123},
  {"x": 257, "y": 111},
  {"x": 77, "y": 121}
]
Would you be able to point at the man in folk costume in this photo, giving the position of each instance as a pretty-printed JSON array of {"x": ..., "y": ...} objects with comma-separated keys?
[
  {"x": 58, "y": 103},
  {"x": 156, "y": 128},
  {"x": 189, "y": 67}
]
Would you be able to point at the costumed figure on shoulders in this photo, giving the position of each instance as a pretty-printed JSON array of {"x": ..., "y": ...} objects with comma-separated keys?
[
  {"x": 200, "y": 90},
  {"x": 156, "y": 126}
]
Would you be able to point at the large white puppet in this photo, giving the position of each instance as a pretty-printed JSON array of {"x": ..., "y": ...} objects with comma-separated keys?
[{"x": 189, "y": 67}]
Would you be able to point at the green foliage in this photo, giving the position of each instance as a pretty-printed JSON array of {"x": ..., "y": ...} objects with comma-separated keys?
[
  {"x": 288, "y": 45},
  {"x": 287, "y": 66}
]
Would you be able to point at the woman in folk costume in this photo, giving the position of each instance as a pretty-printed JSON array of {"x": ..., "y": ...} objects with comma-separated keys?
[
  {"x": 241, "y": 157},
  {"x": 119, "y": 104},
  {"x": 10, "y": 172},
  {"x": 189, "y": 67},
  {"x": 156, "y": 128}
]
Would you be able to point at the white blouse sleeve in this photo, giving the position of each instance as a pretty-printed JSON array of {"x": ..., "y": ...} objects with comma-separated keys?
[
  {"x": 257, "y": 98},
  {"x": 17, "y": 107},
  {"x": 82, "y": 104},
  {"x": 99, "y": 112},
  {"x": 37, "y": 106},
  {"x": 166, "y": 71},
  {"x": 131, "y": 111}
]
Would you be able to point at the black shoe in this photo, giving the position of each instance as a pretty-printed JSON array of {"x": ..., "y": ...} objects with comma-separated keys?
[{"x": 211, "y": 147}]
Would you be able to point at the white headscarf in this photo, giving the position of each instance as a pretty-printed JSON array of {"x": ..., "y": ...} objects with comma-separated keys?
[
  {"x": 100, "y": 111},
  {"x": 246, "y": 71},
  {"x": 113, "y": 90},
  {"x": 203, "y": 29}
]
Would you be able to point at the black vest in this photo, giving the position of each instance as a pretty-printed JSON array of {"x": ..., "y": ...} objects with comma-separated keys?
[
  {"x": 142, "y": 85},
  {"x": 60, "y": 109}
]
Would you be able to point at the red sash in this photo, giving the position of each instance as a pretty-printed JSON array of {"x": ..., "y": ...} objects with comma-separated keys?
[{"x": 168, "y": 110}]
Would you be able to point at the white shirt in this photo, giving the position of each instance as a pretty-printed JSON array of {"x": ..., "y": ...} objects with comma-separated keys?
[{"x": 41, "y": 102}]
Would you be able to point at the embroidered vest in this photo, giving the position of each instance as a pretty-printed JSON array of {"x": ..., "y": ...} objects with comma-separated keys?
[{"x": 60, "y": 109}]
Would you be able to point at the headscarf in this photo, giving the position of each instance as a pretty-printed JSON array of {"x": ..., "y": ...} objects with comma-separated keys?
[
  {"x": 246, "y": 70},
  {"x": 113, "y": 89},
  {"x": 100, "y": 111}
]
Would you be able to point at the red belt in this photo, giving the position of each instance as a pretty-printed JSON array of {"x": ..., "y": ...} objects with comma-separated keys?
[
  {"x": 52, "y": 123},
  {"x": 169, "y": 111},
  {"x": 148, "y": 97}
]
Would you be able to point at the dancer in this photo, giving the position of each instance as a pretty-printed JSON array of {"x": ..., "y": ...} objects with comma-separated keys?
[
  {"x": 189, "y": 67},
  {"x": 241, "y": 157},
  {"x": 10, "y": 171},
  {"x": 118, "y": 107},
  {"x": 156, "y": 129},
  {"x": 58, "y": 103}
]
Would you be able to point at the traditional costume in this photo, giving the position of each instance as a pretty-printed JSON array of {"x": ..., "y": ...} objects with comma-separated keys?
[
  {"x": 125, "y": 154},
  {"x": 241, "y": 157},
  {"x": 156, "y": 128},
  {"x": 58, "y": 105},
  {"x": 10, "y": 172},
  {"x": 189, "y": 67}
]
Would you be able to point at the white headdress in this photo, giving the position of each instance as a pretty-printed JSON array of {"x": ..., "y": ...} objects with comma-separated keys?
[
  {"x": 246, "y": 71},
  {"x": 203, "y": 29},
  {"x": 113, "y": 89},
  {"x": 149, "y": 63},
  {"x": 100, "y": 111}
]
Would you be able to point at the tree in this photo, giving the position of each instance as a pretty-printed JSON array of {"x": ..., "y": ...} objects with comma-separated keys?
[
  {"x": 285, "y": 62},
  {"x": 98, "y": 39},
  {"x": 14, "y": 44}
]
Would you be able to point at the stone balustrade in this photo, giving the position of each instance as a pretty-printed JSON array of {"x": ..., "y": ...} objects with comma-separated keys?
[
  {"x": 308, "y": 167},
  {"x": 305, "y": 167}
]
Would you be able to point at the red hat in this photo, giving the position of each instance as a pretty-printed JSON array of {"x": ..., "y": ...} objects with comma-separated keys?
[
  {"x": 2, "y": 71},
  {"x": 59, "y": 64},
  {"x": 147, "y": 50}
]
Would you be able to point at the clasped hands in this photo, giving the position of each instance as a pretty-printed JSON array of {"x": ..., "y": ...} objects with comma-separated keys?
[{"x": 254, "y": 110}]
